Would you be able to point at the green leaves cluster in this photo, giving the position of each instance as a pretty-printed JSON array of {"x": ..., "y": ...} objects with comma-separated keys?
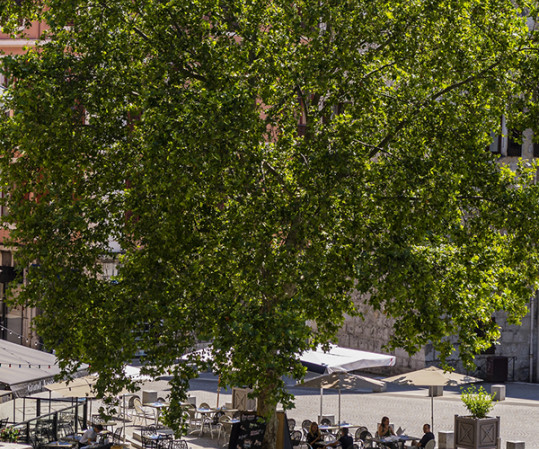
[
  {"x": 163, "y": 135},
  {"x": 477, "y": 401}
]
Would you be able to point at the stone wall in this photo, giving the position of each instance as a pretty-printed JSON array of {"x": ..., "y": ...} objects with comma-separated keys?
[
  {"x": 514, "y": 344},
  {"x": 372, "y": 333}
]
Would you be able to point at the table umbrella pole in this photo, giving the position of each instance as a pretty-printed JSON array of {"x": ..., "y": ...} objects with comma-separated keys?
[
  {"x": 125, "y": 416},
  {"x": 321, "y": 400},
  {"x": 432, "y": 410},
  {"x": 339, "y": 423},
  {"x": 218, "y": 389}
]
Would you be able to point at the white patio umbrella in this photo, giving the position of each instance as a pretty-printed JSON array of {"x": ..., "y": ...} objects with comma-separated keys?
[
  {"x": 341, "y": 360},
  {"x": 432, "y": 377},
  {"x": 342, "y": 381},
  {"x": 338, "y": 359}
]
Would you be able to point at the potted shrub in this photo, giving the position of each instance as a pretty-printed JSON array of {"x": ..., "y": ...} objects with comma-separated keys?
[
  {"x": 477, "y": 430},
  {"x": 9, "y": 434}
]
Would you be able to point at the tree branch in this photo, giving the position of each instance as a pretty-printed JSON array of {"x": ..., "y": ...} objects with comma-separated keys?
[{"x": 385, "y": 141}]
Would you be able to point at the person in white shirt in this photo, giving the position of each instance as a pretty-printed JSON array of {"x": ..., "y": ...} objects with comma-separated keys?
[{"x": 90, "y": 435}]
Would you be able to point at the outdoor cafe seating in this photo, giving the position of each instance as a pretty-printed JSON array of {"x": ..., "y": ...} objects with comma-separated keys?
[{"x": 152, "y": 436}]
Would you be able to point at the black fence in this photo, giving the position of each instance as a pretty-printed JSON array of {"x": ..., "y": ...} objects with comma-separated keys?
[{"x": 51, "y": 426}]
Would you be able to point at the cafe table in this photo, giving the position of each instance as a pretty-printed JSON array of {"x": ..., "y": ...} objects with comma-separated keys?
[
  {"x": 331, "y": 428},
  {"x": 160, "y": 435},
  {"x": 157, "y": 406},
  {"x": 59, "y": 444},
  {"x": 205, "y": 418},
  {"x": 390, "y": 441}
]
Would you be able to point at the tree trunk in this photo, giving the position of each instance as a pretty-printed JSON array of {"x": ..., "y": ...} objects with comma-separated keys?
[{"x": 268, "y": 409}]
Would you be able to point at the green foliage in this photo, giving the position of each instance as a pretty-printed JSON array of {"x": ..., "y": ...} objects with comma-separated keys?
[
  {"x": 10, "y": 434},
  {"x": 170, "y": 129},
  {"x": 478, "y": 402}
]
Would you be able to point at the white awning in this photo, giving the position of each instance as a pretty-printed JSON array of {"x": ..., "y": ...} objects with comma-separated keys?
[
  {"x": 339, "y": 359},
  {"x": 24, "y": 369}
]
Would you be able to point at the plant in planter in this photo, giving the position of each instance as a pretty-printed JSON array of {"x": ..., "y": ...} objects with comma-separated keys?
[
  {"x": 478, "y": 402},
  {"x": 477, "y": 431},
  {"x": 9, "y": 434}
]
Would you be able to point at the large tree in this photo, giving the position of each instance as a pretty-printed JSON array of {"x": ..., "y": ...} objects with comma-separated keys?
[{"x": 170, "y": 129}]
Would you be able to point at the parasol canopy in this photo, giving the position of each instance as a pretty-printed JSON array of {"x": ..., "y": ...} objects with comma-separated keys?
[{"x": 432, "y": 377}]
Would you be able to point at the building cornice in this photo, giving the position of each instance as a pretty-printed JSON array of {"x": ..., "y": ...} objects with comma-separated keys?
[{"x": 13, "y": 43}]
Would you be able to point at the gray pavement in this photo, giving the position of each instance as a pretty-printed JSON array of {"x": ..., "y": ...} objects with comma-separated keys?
[{"x": 407, "y": 407}]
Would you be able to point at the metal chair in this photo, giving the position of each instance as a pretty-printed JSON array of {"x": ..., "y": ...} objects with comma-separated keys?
[
  {"x": 366, "y": 437},
  {"x": 149, "y": 437},
  {"x": 291, "y": 424},
  {"x": 117, "y": 435},
  {"x": 140, "y": 413},
  {"x": 225, "y": 426},
  {"x": 295, "y": 437},
  {"x": 215, "y": 423},
  {"x": 357, "y": 435},
  {"x": 430, "y": 444},
  {"x": 178, "y": 444},
  {"x": 305, "y": 426},
  {"x": 326, "y": 422}
]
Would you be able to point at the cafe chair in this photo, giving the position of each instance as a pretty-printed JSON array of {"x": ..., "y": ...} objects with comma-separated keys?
[
  {"x": 430, "y": 444},
  {"x": 140, "y": 413},
  {"x": 295, "y": 437},
  {"x": 66, "y": 433},
  {"x": 359, "y": 431},
  {"x": 366, "y": 438},
  {"x": 305, "y": 426},
  {"x": 225, "y": 427},
  {"x": 178, "y": 444},
  {"x": 214, "y": 422},
  {"x": 291, "y": 424},
  {"x": 117, "y": 435},
  {"x": 149, "y": 437}
]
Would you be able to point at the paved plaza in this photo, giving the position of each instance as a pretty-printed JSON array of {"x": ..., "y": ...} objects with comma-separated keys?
[{"x": 407, "y": 407}]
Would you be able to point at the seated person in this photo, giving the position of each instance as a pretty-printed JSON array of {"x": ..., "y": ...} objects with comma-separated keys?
[
  {"x": 314, "y": 437},
  {"x": 384, "y": 429},
  {"x": 346, "y": 441},
  {"x": 90, "y": 436},
  {"x": 426, "y": 438}
]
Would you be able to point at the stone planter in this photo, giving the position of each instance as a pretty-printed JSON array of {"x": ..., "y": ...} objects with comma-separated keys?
[{"x": 476, "y": 433}]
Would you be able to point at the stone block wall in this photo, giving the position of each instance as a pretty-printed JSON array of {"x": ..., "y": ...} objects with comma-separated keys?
[{"x": 373, "y": 331}]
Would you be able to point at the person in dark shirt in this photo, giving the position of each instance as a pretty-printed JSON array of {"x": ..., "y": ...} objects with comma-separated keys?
[
  {"x": 314, "y": 437},
  {"x": 346, "y": 441},
  {"x": 426, "y": 438}
]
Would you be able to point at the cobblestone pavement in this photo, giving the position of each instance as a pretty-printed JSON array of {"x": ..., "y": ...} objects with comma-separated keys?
[{"x": 407, "y": 407}]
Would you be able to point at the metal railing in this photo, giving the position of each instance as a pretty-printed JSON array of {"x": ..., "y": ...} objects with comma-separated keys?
[{"x": 44, "y": 428}]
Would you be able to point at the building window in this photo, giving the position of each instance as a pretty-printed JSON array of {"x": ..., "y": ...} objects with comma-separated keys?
[
  {"x": 514, "y": 143},
  {"x": 480, "y": 332}
]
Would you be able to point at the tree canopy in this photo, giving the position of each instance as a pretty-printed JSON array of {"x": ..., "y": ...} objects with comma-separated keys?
[{"x": 169, "y": 129}]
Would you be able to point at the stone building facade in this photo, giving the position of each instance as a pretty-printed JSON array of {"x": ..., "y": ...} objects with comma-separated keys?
[
  {"x": 515, "y": 358},
  {"x": 15, "y": 322}
]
